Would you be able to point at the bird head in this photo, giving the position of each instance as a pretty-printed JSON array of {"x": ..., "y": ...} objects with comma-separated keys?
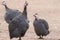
[
  {"x": 26, "y": 3},
  {"x": 35, "y": 14},
  {"x": 4, "y": 3}
]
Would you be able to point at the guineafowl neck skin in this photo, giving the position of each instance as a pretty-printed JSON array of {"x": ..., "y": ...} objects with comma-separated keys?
[
  {"x": 6, "y": 7},
  {"x": 35, "y": 17},
  {"x": 25, "y": 11}
]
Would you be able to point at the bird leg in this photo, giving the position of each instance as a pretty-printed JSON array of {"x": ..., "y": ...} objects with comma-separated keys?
[
  {"x": 19, "y": 38},
  {"x": 41, "y": 37}
]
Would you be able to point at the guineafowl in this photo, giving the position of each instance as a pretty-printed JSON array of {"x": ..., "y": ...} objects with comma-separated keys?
[
  {"x": 18, "y": 26},
  {"x": 41, "y": 27},
  {"x": 10, "y": 13}
]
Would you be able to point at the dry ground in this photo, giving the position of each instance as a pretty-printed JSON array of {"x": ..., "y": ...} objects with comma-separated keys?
[{"x": 47, "y": 9}]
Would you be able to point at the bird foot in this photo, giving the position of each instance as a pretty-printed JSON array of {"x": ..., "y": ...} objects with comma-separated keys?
[
  {"x": 40, "y": 37},
  {"x": 19, "y": 39}
]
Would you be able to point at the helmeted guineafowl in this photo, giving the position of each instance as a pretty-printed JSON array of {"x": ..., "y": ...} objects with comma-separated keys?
[
  {"x": 41, "y": 27},
  {"x": 10, "y": 13},
  {"x": 18, "y": 26}
]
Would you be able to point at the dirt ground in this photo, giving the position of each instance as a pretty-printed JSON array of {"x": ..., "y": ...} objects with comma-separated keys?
[{"x": 47, "y": 9}]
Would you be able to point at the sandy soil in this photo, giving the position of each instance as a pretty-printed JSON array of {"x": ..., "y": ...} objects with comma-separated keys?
[{"x": 47, "y": 9}]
